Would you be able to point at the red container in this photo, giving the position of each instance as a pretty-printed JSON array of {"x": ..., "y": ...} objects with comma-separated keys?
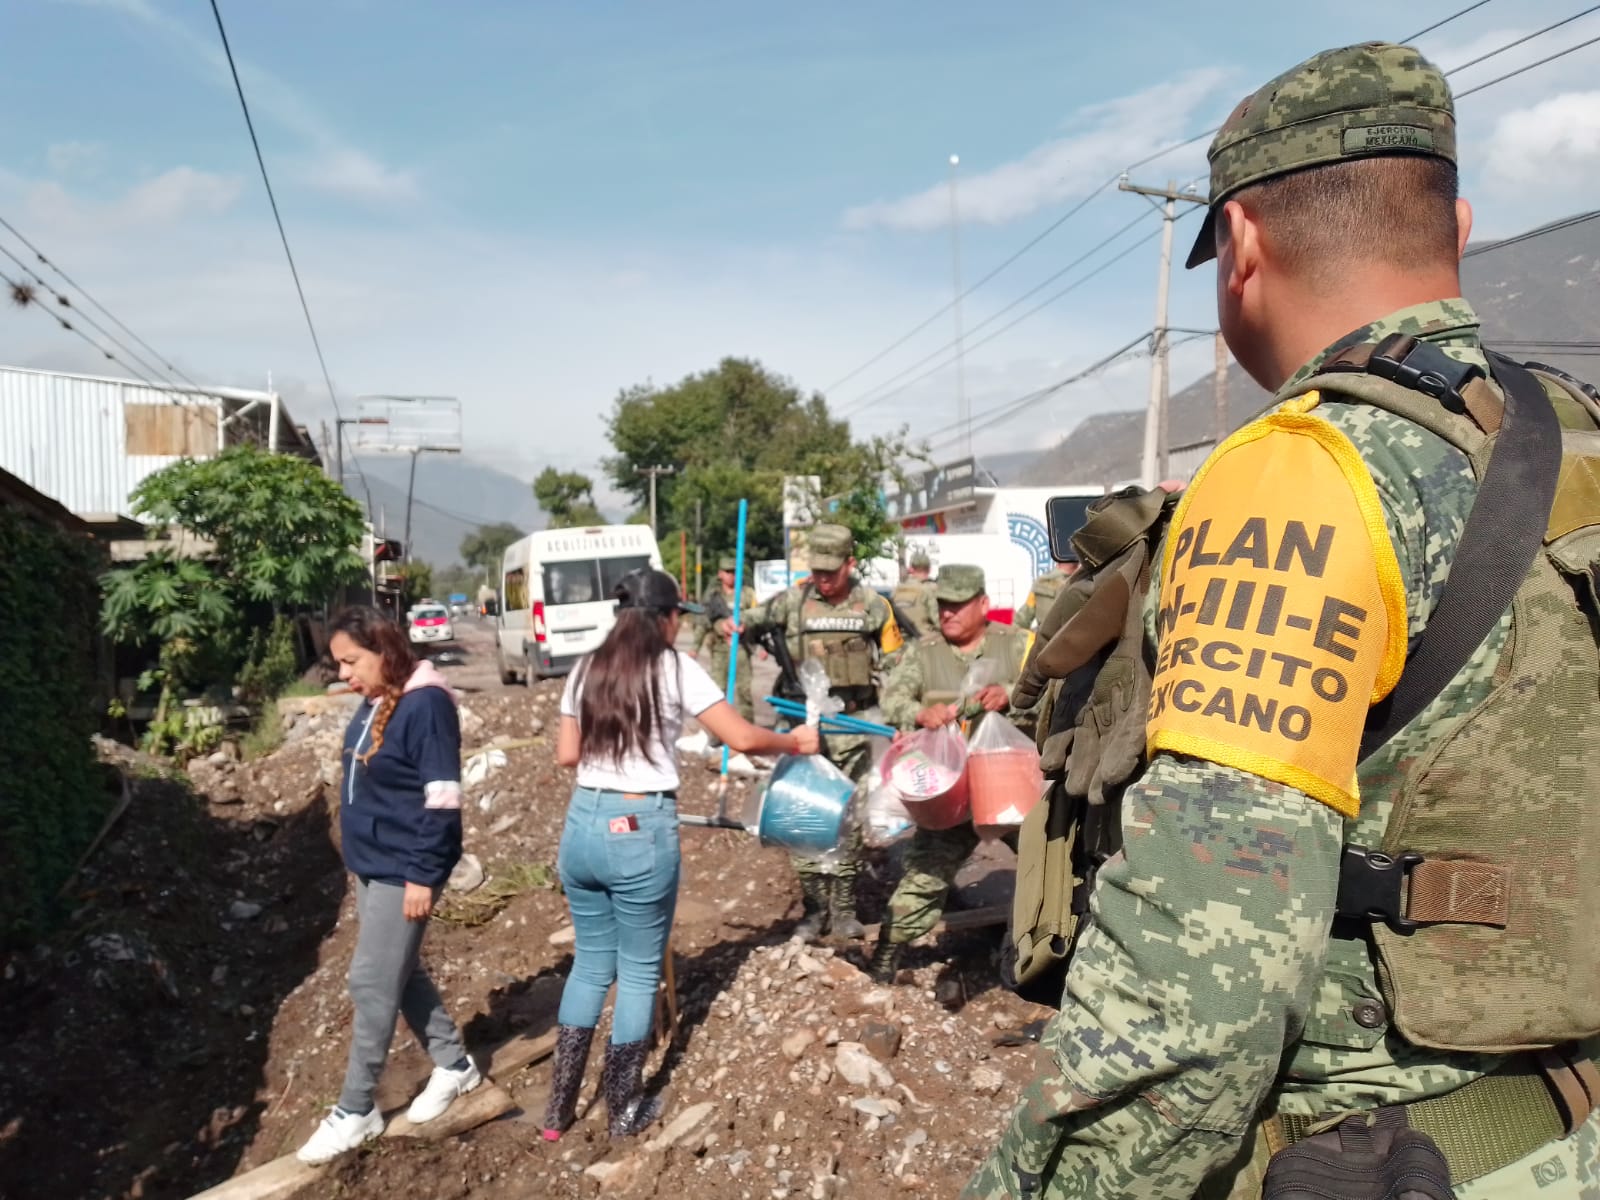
[
  {"x": 1004, "y": 786},
  {"x": 931, "y": 779}
]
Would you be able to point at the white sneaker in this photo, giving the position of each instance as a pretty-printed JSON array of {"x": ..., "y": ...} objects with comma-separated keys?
[
  {"x": 444, "y": 1085},
  {"x": 340, "y": 1131}
]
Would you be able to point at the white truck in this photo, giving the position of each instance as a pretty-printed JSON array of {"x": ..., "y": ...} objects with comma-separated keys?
[{"x": 555, "y": 595}]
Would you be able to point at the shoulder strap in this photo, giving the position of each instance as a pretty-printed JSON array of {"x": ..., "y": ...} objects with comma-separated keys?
[{"x": 1503, "y": 533}]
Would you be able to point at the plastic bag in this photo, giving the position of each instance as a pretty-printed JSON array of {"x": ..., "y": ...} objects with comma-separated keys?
[
  {"x": 928, "y": 769},
  {"x": 1003, "y": 776},
  {"x": 884, "y": 816},
  {"x": 814, "y": 683}
]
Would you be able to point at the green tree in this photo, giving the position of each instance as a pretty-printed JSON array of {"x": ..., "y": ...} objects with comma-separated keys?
[
  {"x": 484, "y": 546},
  {"x": 568, "y": 496},
  {"x": 416, "y": 583},
  {"x": 733, "y": 433}
]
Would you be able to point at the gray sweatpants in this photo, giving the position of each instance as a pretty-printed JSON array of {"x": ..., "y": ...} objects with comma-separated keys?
[{"x": 387, "y": 978}]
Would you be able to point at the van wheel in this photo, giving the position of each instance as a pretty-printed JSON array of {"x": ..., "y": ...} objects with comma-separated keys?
[{"x": 507, "y": 677}]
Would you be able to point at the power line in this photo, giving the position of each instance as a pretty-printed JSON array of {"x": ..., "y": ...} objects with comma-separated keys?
[
  {"x": 1513, "y": 45},
  {"x": 445, "y": 512},
  {"x": 84, "y": 292},
  {"x": 1521, "y": 70},
  {"x": 1555, "y": 227},
  {"x": 294, "y": 271},
  {"x": 1441, "y": 24},
  {"x": 856, "y": 405}
]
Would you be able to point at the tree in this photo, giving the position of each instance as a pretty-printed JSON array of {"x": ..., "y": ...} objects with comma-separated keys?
[
  {"x": 734, "y": 433},
  {"x": 568, "y": 496},
  {"x": 484, "y": 546},
  {"x": 416, "y": 583}
]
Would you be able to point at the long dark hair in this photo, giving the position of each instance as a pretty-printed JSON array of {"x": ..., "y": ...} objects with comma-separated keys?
[
  {"x": 620, "y": 710},
  {"x": 372, "y": 630}
]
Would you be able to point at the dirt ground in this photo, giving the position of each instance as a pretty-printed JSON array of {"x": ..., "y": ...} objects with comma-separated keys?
[{"x": 191, "y": 1020}]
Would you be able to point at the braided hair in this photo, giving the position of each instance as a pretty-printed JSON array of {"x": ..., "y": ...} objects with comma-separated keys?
[{"x": 372, "y": 630}]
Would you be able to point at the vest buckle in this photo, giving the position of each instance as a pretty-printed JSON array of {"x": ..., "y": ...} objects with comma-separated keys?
[
  {"x": 1372, "y": 887},
  {"x": 1423, "y": 367}
]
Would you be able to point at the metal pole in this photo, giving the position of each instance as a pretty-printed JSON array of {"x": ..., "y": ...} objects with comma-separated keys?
[
  {"x": 733, "y": 646},
  {"x": 963, "y": 414},
  {"x": 698, "y": 551},
  {"x": 1154, "y": 464},
  {"x": 410, "y": 488},
  {"x": 683, "y": 560}
]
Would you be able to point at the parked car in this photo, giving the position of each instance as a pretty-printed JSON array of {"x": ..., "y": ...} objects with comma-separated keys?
[{"x": 430, "y": 624}]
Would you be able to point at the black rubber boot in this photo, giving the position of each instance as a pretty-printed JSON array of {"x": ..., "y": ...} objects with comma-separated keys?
[
  {"x": 814, "y": 908},
  {"x": 566, "y": 1079},
  {"x": 627, "y": 1107},
  {"x": 842, "y": 909},
  {"x": 885, "y": 959}
]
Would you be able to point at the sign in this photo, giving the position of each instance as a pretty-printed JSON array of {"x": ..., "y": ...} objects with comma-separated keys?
[
  {"x": 950, "y": 486},
  {"x": 458, "y": 597},
  {"x": 802, "y": 499},
  {"x": 770, "y": 577},
  {"x": 1282, "y": 611},
  {"x": 407, "y": 424},
  {"x": 1032, "y": 535}
]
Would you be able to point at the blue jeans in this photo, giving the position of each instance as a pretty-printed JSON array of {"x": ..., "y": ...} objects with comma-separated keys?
[{"x": 622, "y": 887}]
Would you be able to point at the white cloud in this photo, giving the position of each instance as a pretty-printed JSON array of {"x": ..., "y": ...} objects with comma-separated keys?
[
  {"x": 68, "y": 158},
  {"x": 1557, "y": 137},
  {"x": 358, "y": 176},
  {"x": 180, "y": 192},
  {"x": 1103, "y": 139}
]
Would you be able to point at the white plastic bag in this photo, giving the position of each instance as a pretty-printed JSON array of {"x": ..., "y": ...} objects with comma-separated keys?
[
  {"x": 1003, "y": 776},
  {"x": 884, "y": 817}
]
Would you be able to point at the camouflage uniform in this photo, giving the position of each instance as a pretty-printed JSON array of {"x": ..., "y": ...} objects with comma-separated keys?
[
  {"x": 1042, "y": 595},
  {"x": 914, "y": 598},
  {"x": 931, "y": 673},
  {"x": 1207, "y": 986},
  {"x": 849, "y": 638},
  {"x": 719, "y": 606}
]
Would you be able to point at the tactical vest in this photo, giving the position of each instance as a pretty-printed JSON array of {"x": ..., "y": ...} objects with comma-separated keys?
[
  {"x": 944, "y": 670},
  {"x": 842, "y": 637},
  {"x": 913, "y": 600}
]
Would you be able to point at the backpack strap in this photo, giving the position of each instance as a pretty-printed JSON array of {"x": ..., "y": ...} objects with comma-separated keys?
[{"x": 1503, "y": 533}]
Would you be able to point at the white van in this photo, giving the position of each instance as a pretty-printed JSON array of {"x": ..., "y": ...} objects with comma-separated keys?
[{"x": 555, "y": 590}]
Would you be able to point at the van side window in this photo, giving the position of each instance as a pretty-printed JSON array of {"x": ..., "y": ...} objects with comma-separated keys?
[
  {"x": 576, "y": 582},
  {"x": 516, "y": 589}
]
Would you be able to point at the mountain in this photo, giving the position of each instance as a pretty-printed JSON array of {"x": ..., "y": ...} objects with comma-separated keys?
[
  {"x": 1538, "y": 295},
  {"x": 453, "y": 496}
]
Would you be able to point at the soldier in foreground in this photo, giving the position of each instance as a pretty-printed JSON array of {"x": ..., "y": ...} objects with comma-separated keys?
[
  {"x": 913, "y": 597},
  {"x": 1044, "y": 592},
  {"x": 1325, "y": 683},
  {"x": 924, "y": 691},
  {"x": 719, "y": 608},
  {"x": 846, "y": 626}
]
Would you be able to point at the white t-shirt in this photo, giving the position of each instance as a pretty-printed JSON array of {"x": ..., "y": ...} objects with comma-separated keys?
[{"x": 684, "y": 688}]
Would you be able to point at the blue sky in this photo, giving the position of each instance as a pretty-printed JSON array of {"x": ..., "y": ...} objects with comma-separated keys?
[{"x": 532, "y": 206}]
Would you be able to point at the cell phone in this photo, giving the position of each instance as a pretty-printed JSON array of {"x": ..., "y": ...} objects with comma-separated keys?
[
  {"x": 627, "y": 824},
  {"x": 1064, "y": 516}
]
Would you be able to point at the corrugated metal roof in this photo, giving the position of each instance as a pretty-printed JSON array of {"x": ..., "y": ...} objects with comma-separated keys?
[{"x": 67, "y": 435}]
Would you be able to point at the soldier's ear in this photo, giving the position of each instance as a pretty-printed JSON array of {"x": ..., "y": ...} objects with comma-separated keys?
[
  {"x": 1239, "y": 248},
  {"x": 1463, "y": 225}
]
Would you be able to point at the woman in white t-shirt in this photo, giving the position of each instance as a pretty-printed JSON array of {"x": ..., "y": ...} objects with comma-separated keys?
[{"x": 621, "y": 715}]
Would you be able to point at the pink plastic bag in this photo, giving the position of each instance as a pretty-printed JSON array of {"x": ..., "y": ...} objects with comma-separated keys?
[
  {"x": 1003, "y": 776},
  {"x": 928, "y": 769}
]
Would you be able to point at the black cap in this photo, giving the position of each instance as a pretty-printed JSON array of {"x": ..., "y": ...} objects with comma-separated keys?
[{"x": 647, "y": 588}]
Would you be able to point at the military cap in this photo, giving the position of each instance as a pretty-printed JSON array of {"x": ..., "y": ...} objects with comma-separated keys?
[
  {"x": 920, "y": 561},
  {"x": 958, "y": 583},
  {"x": 1354, "y": 102},
  {"x": 829, "y": 546},
  {"x": 727, "y": 563}
]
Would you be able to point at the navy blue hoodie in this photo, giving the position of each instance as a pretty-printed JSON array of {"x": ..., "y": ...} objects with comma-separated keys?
[{"x": 390, "y": 829}]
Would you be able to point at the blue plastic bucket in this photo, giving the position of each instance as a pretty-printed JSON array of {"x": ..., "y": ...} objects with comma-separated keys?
[{"x": 804, "y": 804}]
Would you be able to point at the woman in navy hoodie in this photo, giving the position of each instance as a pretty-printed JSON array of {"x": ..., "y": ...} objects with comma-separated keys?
[{"x": 400, "y": 828}]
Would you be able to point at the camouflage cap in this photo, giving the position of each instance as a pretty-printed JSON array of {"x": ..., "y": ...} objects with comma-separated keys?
[
  {"x": 1357, "y": 101},
  {"x": 958, "y": 583},
  {"x": 727, "y": 563},
  {"x": 920, "y": 561},
  {"x": 829, "y": 546}
]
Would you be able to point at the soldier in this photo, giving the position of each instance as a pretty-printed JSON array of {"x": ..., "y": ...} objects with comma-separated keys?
[
  {"x": 719, "y": 608},
  {"x": 913, "y": 597},
  {"x": 922, "y": 692},
  {"x": 839, "y": 621},
  {"x": 1253, "y": 970},
  {"x": 1044, "y": 592}
]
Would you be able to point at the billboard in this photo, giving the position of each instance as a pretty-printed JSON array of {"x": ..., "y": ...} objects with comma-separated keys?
[{"x": 407, "y": 424}]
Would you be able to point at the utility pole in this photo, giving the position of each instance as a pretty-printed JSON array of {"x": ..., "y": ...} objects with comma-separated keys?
[
  {"x": 411, "y": 487},
  {"x": 654, "y": 472},
  {"x": 963, "y": 414},
  {"x": 1153, "y": 462},
  {"x": 1220, "y": 388},
  {"x": 698, "y": 544}
]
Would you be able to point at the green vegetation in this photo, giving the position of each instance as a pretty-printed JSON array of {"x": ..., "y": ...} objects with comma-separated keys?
[
  {"x": 506, "y": 881},
  {"x": 568, "y": 496},
  {"x": 483, "y": 547},
  {"x": 54, "y": 798}
]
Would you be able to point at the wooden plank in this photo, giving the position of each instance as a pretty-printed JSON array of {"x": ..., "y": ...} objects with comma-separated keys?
[{"x": 284, "y": 1176}]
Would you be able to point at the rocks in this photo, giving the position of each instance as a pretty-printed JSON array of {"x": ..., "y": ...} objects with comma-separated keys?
[
  {"x": 565, "y": 936},
  {"x": 986, "y": 1081},
  {"x": 691, "y": 1120},
  {"x": 244, "y": 910},
  {"x": 859, "y": 1068},
  {"x": 468, "y": 875},
  {"x": 797, "y": 1043},
  {"x": 881, "y": 1039},
  {"x": 616, "y": 1177}
]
